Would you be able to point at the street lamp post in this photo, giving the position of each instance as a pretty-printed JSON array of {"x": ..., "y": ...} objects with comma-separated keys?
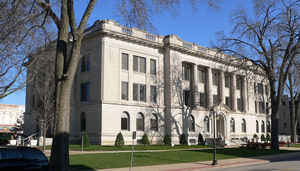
[{"x": 214, "y": 162}]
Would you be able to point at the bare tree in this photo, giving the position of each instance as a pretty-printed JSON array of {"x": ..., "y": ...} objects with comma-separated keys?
[
  {"x": 268, "y": 39},
  {"x": 41, "y": 80},
  {"x": 22, "y": 26},
  {"x": 293, "y": 87}
]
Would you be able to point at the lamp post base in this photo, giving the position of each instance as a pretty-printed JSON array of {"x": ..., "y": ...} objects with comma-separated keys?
[{"x": 215, "y": 162}]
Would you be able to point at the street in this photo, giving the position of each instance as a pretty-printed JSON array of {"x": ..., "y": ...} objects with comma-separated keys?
[{"x": 291, "y": 163}]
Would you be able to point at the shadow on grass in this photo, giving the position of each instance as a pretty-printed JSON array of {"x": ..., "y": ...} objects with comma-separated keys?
[{"x": 81, "y": 168}]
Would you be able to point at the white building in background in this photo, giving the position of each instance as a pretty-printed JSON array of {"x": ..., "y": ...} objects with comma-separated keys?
[
  {"x": 10, "y": 116},
  {"x": 126, "y": 75}
]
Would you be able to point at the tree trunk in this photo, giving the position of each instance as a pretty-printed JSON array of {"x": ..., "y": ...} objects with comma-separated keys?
[
  {"x": 44, "y": 136},
  {"x": 274, "y": 116}
]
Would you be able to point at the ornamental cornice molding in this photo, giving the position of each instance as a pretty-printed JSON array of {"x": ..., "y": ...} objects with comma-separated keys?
[
  {"x": 125, "y": 37},
  {"x": 198, "y": 54}
]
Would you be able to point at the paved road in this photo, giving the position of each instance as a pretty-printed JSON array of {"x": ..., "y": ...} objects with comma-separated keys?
[{"x": 291, "y": 163}]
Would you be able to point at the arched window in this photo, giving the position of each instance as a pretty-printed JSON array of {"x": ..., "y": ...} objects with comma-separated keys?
[
  {"x": 206, "y": 124},
  {"x": 268, "y": 126},
  {"x": 82, "y": 122},
  {"x": 257, "y": 127},
  {"x": 140, "y": 122},
  {"x": 191, "y": 123},
  {"x": 232, "y": 125},
  {"x": 244, "y": 126},
  {"x": 125, "y": 121},
  {"x": 154, "y": 122},
  {"x": 262, "y": 126}
]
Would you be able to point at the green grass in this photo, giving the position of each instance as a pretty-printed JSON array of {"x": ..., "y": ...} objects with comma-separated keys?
[
  {"x": 295, "y": 145},
  {"x": 118, "y": 160},
  {"x": 136, "y": 147}
]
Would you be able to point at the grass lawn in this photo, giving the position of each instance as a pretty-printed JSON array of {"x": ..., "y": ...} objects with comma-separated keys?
[
  {"x": 136, "y": 147},
  {"x": 118, "y": 160},
  {"x": 295, "y": 145}
]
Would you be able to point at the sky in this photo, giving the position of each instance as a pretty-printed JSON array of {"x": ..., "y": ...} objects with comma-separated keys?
[{"x": 193, "y": 25}]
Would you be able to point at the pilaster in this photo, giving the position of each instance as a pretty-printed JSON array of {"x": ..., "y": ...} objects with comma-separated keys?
[
  {"x": 209, "y": 86},
  {"x": 233, "y": 92}
]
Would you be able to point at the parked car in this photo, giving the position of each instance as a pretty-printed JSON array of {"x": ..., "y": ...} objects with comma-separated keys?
[{"x": 23, "y": 159}]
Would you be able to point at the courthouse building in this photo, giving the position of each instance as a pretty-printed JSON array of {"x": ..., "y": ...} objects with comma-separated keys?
[{"x": 130, "y": 80}]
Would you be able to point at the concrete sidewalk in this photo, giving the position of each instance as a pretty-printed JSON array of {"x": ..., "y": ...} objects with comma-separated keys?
[{"x": 206, "y": 165}]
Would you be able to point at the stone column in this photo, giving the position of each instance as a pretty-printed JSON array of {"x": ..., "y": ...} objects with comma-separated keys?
[
  {"x": 209, "y": 86},
  {"x": 195, "y": 85},
  {"x": 244, "y": 94},
  {"x": 233, "y": 92},
  {"x": 222, "y": 87}
]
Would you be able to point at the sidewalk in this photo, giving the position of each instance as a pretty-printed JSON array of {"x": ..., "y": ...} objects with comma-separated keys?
[{"x": 206, "y": 165}]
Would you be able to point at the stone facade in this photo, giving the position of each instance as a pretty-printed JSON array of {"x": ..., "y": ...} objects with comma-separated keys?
[
  {"x": 128, "y": 81},
  {"x": 9, "y": 116}
]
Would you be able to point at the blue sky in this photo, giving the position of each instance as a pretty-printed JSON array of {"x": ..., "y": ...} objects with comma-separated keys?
[{"x": 198, "y": 26}]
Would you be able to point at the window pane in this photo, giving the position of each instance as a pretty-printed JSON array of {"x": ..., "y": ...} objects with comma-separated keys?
[
  {"x": 135, "y": 63},
  {"x": 142, "y": 92},
  {"x": 215, "y": 78},
  {"x": 152, "y": 66},
  {"x": 124, "y": 90},
  {"x": 216, "y": 99},
  {"x": 124, "y": 61},
  {"x": 84, "y": 91},
  {"x": 124, "y": 125},
  {"x": 153, "y": 94},
  {"x": 202, "y": 75},
  {"x": 202, "y": 100},
  {"x": 135, "y": 92},
  {"x": 227, "y": 80},
  {"x": 142, "y": 64}
]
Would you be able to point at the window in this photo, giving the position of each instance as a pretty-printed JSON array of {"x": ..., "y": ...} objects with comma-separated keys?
[
  {"x": 216, "y": 78},
  {"x": 232, "y": 125},
  {"x": 125, "y": 61},
  {"x": 139, "y": 92},
  {"x": 202, "y": 97},
  {"x": 240, "y": 104},
  {"x": 267, "y": 90},
  {"x": 268, "y": 126},
  {"x": 82, "y": 122},
  {"x": 125, "y": 121},
  {"x": 85, "y": 92},
  {"x": 140, "y": 122},
  {"x": 227, "y": 80},
  {"x": 85, "y": 64},
  {"x": 124, "y": 90},
  {"x": 228, "y": 102},
  {"x": 260, "y": 88},
  {"x": 257, "y": 127},
  {"x": 239, "y": 82},
  {"x": 139, "y": 64},
  {"x": 216, "y": 99},
  {"x": 206, "y": 124},
  {"x": 187, "y": 97},
  {"x": 153, "y": 66},
  {"x": 244, "y": 126},
  {"x": 191, "y": 123},
  {"x": 186, "y": 71},
  {"x": 262, "y": 126},
  {"x": 261, "y": 106},
  {"x": 153, "y": 94},
  {"x": 202, "y": 75},
  {"x": 284, "y": 125},
  {"x": 154, "y": 123}
]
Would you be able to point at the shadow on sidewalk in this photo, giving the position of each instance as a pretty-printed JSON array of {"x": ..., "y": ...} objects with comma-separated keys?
[{"x": 262, "y": 154}]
